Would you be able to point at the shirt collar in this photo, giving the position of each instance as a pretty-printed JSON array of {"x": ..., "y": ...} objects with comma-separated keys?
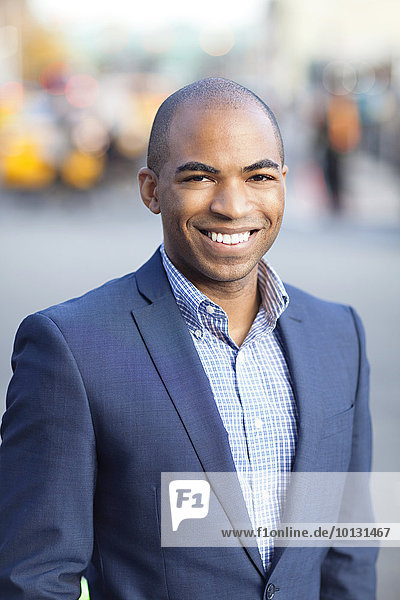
[{"x": 193, "y": 303}]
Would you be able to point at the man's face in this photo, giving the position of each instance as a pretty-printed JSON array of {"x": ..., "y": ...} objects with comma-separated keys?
[{"x": 221, "y": 192}]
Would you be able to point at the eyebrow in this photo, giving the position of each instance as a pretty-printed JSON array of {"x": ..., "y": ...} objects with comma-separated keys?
[
  {"x": 265, "y": 163},
  {"x": 197, "y": 166}
]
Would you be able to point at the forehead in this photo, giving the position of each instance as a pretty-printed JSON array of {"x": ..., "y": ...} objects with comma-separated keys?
[{"x": 221, "y": 135}]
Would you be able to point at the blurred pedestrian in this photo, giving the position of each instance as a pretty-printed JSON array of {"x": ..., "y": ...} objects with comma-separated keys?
[{"x": 339, "y": 133}]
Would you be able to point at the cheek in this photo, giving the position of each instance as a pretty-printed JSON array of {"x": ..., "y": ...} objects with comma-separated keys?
[
  {"x": 274, "y": 205},
  {"x": 176, "y": 213},
  {"x": 174, "y": 224},
  {"x": 170, "y": 224},
  {"x": 170, "y": 211}
]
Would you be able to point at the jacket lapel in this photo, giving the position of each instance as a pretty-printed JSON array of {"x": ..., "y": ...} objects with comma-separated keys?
[
  {"x": 302, "y": 357},
  {"x": 301, "y": 353},
  {"x": 174, "y": 355}
]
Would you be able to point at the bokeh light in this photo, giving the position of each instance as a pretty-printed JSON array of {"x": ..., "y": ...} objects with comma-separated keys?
[
  {"x": 216, "y": 41},
  {"x": 339, "y": 77},
  {"x": 81, "y": 170},
  {"x": 81, "y": 90},
  {"x": 23, "y": 165},
  {"x": 90, "y": 135},
  {"x": 54, "y": 76}
]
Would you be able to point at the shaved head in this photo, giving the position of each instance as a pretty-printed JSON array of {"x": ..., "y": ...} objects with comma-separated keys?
[{"x": 206, "y": 93}]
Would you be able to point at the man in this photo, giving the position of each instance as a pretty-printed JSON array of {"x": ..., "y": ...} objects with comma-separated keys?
[{"x": 198, "y": 362}]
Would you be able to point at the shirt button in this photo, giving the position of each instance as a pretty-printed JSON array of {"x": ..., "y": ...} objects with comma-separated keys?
[
  {"x": 197, "y": 333},
  {"x": 258, "y": 424},
  {"x": 270, "y": 591},
  {"x": 240, "y": 358},
  {"x": 210, "y": 309}
]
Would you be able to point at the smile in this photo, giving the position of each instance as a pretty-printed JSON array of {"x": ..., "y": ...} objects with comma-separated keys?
[{"x": 228, "y": 239}]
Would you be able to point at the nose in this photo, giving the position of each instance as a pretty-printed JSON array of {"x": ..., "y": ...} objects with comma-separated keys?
[{"x": 231, "y": 201}]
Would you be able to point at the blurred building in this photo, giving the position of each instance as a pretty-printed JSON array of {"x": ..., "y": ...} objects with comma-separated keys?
[{"x": 76, "y": 100}]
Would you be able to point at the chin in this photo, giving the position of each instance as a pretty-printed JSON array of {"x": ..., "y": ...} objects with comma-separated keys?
[{"x": 228, "y": 273}]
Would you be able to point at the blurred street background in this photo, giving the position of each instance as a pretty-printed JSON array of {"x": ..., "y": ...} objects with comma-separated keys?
[{"x": 79, "y": 86}]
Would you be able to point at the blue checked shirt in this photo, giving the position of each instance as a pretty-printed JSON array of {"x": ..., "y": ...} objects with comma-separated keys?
[{"x": 252, "y": 389}]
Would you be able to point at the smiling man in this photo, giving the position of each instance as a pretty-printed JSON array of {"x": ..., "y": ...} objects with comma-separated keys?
[
  {"x": 201, "y": 361},
  {"x": 220, "y": 190}
]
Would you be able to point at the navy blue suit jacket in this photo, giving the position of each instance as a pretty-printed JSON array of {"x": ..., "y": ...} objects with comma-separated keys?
[{"x": 108, "y": 392}]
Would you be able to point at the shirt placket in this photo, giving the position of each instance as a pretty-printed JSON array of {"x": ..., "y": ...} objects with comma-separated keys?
[{"x": 264, "y": 507}]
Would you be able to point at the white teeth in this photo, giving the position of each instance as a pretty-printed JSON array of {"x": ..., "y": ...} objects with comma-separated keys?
[{"x": 226, "y": 238}]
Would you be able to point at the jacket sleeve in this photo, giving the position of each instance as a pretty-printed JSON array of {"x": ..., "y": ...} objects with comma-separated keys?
[
  {"x": 47, "y": 469},
  {"x": 349, "y": 573}
]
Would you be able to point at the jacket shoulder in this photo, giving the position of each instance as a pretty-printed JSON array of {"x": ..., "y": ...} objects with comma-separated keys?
[
  {"x": 323, "y": 312},
  {"x": 306, "y": 299},
  {"x": 106, "y": 298},
  {"x": 119, "y": 295}
]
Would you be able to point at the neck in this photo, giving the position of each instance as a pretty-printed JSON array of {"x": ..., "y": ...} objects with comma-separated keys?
[{"x": 241, "y": 302}]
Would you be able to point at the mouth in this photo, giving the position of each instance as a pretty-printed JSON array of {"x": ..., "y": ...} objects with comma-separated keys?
[{"x": 229, "y": 239}]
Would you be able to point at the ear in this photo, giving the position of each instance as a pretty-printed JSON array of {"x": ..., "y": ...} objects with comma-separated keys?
[
  {"x": 148, "y": 182},
  {"x": 284, "y": 172}
]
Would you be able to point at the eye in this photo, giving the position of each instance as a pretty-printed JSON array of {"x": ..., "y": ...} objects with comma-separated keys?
[
  {"x": 197, "y": 178},
  {"x": 261, "y": 177}
]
